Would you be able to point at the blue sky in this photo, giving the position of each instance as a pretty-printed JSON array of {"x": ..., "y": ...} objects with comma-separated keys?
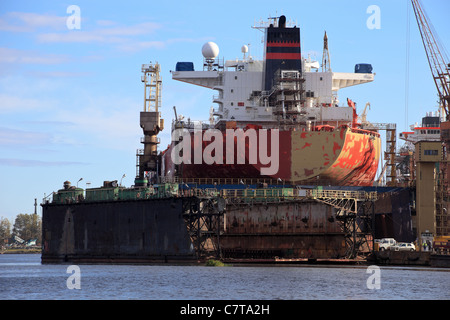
[{"x": 70, "y": 99}]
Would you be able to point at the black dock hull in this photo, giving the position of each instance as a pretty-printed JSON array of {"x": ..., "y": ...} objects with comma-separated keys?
[{"x": 142, "y": 231}]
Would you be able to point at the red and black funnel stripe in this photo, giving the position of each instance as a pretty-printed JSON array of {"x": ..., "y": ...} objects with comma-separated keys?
[{"x": 280, "y": 50}]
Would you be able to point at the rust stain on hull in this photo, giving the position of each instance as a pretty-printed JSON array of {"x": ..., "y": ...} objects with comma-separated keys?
[{"x": 341, "y": 157}]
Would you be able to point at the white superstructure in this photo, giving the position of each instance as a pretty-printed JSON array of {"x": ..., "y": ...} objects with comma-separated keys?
[{"x": 239, "y": 95}]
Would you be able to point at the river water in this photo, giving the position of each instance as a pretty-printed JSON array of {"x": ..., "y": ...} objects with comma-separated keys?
[{"x": 23, "y": 277}]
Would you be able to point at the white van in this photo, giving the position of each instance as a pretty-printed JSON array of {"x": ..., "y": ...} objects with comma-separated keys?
[{"x": 386, "y": 243}]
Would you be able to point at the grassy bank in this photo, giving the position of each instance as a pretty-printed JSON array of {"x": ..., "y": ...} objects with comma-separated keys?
[
  {"x": 215, "y": 263},
  {"x": 20, "y": 250}
]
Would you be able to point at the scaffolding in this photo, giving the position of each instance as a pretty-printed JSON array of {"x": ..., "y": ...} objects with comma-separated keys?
[
  {"x": 356, "y": 213},
  {"x": 204, "y": 222},
  {"x": 390, "y": 153}
]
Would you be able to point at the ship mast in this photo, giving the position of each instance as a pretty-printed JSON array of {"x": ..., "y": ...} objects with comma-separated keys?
[{"x": 326, "y": 67}]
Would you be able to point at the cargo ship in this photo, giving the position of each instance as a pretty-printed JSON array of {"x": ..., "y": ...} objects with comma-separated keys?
[
  {"x": 282, "y": 102},
  {"x": 281, "y": 170}
]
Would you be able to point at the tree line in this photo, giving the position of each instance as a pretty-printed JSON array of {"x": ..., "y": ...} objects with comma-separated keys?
[{"x": 26, "y": 227}]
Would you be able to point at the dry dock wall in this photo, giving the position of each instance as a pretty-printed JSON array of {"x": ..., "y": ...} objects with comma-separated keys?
[
  {"x": 120, "y": 231},
  {"x": 305, "y": 229},
  {"x": 393, "y": 215}
]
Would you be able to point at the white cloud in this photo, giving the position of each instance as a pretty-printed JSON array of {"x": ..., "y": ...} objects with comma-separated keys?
[
  {"x": 59, "y": 74},
  {"x": 11, "y": 103},
  {"x": 13, "y": 137},
  {"x": 106, "y": 31},
  {"x": 9, "y": 56},
  {"x": 13, "y": 162},
  {"x": 137, "y": 29},
  {"x": 27, "y": 22},
  {"x": 23, "y": 95},
  {"x": 77, "y": 37},
  {"x": 106, "y": 127},
  {"x": 52, "y": 29},
  {"x": 99, "y": 121},
  {"x": 134, "y": 46},
  {"x": 106, "y": 23},
  {"x": 107, "y": 34}
]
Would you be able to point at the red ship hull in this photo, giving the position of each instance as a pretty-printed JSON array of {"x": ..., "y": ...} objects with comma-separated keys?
[{"x": 334, "y": 157}]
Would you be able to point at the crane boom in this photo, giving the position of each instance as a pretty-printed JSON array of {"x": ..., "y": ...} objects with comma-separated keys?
[
  {"x": 439, "y": 63},
  {"x": 326, "y": 55}
]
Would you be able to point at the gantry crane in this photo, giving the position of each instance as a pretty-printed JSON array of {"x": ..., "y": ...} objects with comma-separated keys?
[
  {"x": 439, "y": 65},
  {"x": 437, "y": 59}
]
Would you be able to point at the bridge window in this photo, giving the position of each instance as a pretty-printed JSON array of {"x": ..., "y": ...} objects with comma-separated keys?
[{"x": 431, "y": 152}]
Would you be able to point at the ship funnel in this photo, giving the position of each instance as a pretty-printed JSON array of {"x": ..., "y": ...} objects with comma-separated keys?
[
  {"x": 282, "y": 52},
  {"x": 282, "y": 22}
]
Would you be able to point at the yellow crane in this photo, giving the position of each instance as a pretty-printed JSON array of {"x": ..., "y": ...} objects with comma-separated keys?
[{"x": 364, "y": 113}]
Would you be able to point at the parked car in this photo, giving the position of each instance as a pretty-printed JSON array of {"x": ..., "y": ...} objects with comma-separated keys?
[
  {"x": 386, "y": 243},
  {"x": 404, "y": 246}
]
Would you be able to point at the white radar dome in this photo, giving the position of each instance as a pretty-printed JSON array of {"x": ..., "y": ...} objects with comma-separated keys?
[
  {"x": 244, "y": 49},
  {"x": 210, "y": 50}
]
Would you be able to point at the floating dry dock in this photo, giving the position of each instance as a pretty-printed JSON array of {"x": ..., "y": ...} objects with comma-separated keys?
[
  {"x": 182, "y": 223},
  {"x": 313, "y": 200}
]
